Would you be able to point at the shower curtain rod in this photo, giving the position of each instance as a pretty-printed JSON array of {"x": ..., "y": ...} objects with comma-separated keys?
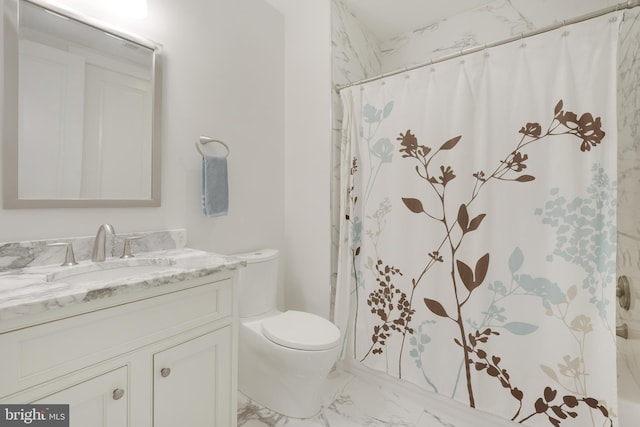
[{"x": 620, "y": 6}]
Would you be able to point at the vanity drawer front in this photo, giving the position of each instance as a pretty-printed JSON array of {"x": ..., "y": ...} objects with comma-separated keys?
[{"x": 43, "y": 352}]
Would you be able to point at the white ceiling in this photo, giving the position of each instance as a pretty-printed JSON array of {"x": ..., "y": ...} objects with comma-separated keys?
[{"x": 408, "y": 15}]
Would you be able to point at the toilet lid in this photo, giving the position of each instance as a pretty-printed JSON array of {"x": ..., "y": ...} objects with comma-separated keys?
[{"x": 302, "y": 331}]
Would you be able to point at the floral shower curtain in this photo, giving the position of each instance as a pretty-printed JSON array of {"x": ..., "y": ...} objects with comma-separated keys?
[{"x": 478, "y": 234}]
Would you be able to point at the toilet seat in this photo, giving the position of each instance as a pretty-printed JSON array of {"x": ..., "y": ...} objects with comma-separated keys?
[{"x": 301, "y": 331}]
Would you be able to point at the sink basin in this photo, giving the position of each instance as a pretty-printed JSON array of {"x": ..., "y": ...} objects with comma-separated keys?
[
  {"x": 106, "y": 274},
  {"x": 114, "y": 269}
]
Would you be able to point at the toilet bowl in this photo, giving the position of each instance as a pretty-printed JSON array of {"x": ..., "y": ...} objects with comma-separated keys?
[{"x": 284, "y": 357}]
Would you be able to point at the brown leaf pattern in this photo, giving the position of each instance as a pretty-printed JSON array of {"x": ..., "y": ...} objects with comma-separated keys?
[
  {"x": 390, "y": 304},
  {"x": 394, "y": 308}
]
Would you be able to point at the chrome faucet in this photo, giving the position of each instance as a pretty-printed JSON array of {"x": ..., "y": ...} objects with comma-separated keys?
[{"x": 99, "y": 252}]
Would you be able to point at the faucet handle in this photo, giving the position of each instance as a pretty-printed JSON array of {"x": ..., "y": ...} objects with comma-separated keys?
[
  {"x": 622, "y": 331},
  {"x": 623, "y": 292},
  {"x": 126, "y": 249},
  {"x": 69, "y": 258}
]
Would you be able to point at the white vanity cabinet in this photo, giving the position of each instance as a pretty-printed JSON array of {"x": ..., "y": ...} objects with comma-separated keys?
[
  {"x": 191, "y": 382},
  {"x": 96, "y": 402},
  {"x": 156, "y": 358}
]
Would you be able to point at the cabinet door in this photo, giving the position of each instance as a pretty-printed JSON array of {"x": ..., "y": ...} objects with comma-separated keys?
[
  {"x": 192, "y": 383},
  {"x": 99, "y": 402}
]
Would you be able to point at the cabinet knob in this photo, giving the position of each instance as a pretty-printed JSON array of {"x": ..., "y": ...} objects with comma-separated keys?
[
  {"x": 165, "y": 372},
  {"x": 118, "y": 393}
]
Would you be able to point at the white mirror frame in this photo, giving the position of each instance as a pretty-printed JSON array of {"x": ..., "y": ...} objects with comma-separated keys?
[{"x": 11, "y": 198}]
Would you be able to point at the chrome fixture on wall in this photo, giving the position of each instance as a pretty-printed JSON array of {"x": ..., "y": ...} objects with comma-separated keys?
[
  {"x": 207, "y": 139},
  {"x": 623, "y": 292},
  {"x": 622, "y": 331}
]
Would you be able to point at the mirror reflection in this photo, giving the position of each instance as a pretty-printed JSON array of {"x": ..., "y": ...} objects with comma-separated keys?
[{"x": 86, "y": 99}]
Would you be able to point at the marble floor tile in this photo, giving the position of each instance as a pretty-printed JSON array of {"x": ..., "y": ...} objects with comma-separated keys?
[
  {"x": 429, "y": 419},
  {"x": 360, "y": 400},
  {"x": 349, "y": 401},
  {"x": 366, "y": 404}
]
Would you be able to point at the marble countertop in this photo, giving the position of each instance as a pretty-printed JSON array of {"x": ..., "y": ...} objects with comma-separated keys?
[{"x": 34, "y": 290}]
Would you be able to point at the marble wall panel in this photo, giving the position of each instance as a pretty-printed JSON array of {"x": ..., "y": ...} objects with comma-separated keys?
[
  {"x": 628, "y": 259},
  {"x": 496, "y": 21}
]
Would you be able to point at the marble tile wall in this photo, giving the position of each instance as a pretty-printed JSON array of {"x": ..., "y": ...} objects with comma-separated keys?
[
  {"x": 356, "y": 52},
  {"x": 16, "y": 255},
  {"x": 629, "y": 153},
  {"x": 496, "y": 21}
]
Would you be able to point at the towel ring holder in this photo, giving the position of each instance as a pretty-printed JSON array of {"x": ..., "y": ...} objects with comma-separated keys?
[{"x": 206, "y": 140}]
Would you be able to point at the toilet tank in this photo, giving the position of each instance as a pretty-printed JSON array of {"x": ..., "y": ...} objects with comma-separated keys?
[{"x": 258, "y": 282}]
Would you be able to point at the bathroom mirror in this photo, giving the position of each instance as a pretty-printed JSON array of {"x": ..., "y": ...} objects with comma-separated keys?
[{"x": 81, "y": 112}]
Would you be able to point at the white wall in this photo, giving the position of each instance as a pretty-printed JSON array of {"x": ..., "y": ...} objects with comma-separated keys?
[
  {"x": 307, "y": 154},
  {"x": 223, "y": 77}
]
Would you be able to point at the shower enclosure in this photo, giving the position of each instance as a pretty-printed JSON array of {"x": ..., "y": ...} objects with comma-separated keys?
[{"x": 473, "y": 236}]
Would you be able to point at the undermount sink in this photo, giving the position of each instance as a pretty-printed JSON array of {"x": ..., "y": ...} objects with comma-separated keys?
[
  {"x": 114, "y": 269},
  {"x": 112, "y": 273}
]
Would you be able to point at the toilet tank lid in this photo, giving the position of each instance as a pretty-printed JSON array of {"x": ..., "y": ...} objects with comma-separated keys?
[
  {"x": 258, "y": 256},
  {"x": 301, "y": 331}
]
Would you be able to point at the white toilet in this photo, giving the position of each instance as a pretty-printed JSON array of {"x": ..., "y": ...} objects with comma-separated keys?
[{"x": 284, "y": 357}]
